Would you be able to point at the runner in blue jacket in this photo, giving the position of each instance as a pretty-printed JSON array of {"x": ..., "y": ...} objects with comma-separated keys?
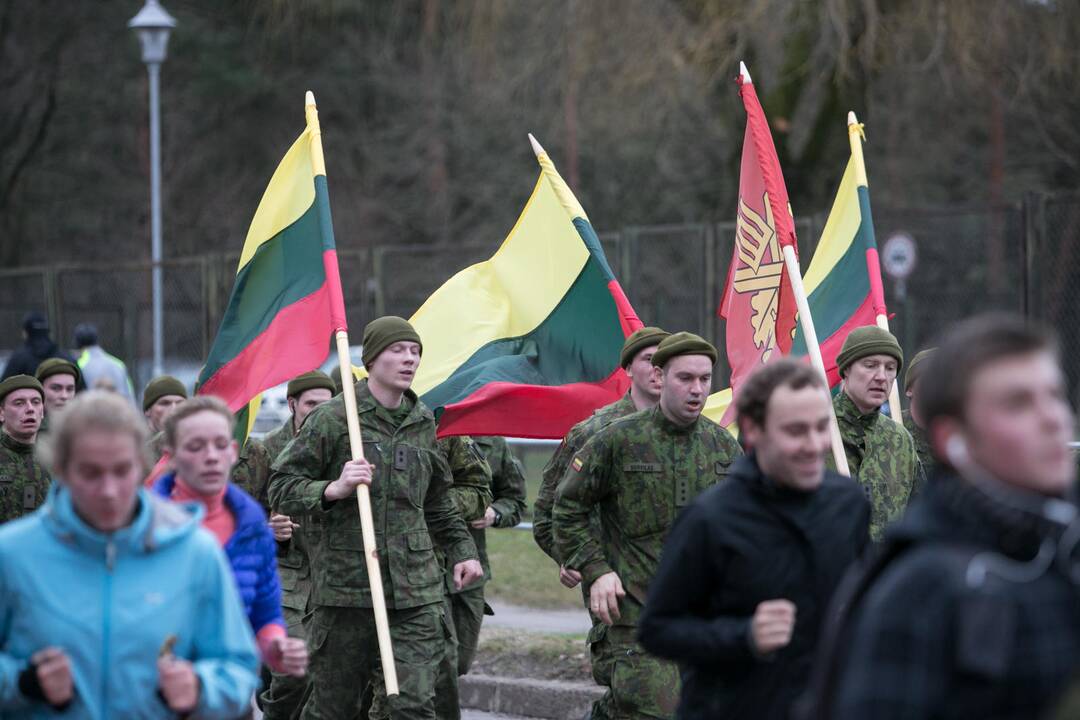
[{"x": 114, "y": 603}]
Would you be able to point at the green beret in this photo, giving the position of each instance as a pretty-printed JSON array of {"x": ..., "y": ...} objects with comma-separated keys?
[
  {"x": 682, "y": 343},
  {"x": 915, "y": 367},
  {"x": 865, "y": 341},
  {"x": 383, "y": 332},
  {"x": 309, "y": 381},
  {"x": 160, "y": 387},
  {"x": 638, "y": 341},
  {"x": 20, "y": 382},
  {"x": 57, "y": 366}
]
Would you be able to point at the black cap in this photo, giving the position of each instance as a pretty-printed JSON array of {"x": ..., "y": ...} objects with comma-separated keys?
[
  {"x": 35, "y": 320},
  {"x": 85, "y": 335}
]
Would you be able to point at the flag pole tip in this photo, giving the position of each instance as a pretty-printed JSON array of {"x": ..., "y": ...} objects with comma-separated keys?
[
  {"x": 309, "y": 98},
  {"x": 744, "y": 73},
  {"x": 851, "y": 119},
  {"x": 538, "y": 149}
]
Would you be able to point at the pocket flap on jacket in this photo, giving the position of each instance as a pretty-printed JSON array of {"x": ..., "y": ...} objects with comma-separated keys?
[{"x": 419, "y": 541}]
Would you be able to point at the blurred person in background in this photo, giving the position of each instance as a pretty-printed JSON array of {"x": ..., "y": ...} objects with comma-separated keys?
[
  {"x": 60, "y": 380},
  {"x": 38, "y": 346},
  {"x": 161, "y": 396},
  {"x": 98, "y": 366}
]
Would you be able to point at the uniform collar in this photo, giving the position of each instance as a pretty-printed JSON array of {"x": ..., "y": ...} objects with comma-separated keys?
[
  {"x": 661, "y": 420},
  {"x": 15, "y": 445},
  {"x": 366, "y": 402},
  {"x": 848, "y": 411}
]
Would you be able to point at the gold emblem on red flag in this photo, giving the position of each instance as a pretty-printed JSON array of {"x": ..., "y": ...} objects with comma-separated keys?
[{"x": 761, "y": 267}]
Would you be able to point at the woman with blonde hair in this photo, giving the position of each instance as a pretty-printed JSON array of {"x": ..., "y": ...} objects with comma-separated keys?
[{"x": 113, "y": 603}]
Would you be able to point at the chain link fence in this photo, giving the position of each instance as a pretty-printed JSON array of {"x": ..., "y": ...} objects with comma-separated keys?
[{"x": 1023, "y": 257}]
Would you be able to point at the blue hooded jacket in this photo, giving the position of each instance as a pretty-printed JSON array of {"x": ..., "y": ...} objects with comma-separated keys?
[
  {"x": 252, "y": 553},
  {"x": 109, "y": 601}
]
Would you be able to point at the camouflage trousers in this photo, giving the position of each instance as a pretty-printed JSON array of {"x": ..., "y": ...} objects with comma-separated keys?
[
  {"x": 639, "y": 686},
  {"x": 285, "y": 695},
  {"x": 467, "y": 611},
  {"x": 344, "y": 660},
  {"x": 447, "y": 703}
]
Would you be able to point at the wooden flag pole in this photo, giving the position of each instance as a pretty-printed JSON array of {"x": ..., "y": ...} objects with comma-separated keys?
[
  {"x": 814, "y": 348},
  {"x": 855, "y": 136},
  {"x": 794, "y": 272},
  {"x": 356, "y": 446}
]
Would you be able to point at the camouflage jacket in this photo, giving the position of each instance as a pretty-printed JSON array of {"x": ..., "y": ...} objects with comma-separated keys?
[
  {"x": 639, "y": 472},
  {"x": 556, "y": 468},
  {"x": 294, "y": 568},
  {"x": 881, "y": 456},
  {"x": 410, "y": 502},
  {"x": 251, "y": 473},
  {"x": 471, "y": 491},
  {"x": 507, "y": 488},
  {"x": 922, "y": 444},
  {"x": 156, "y": 445},
  {"x": 23, "y": 481}
]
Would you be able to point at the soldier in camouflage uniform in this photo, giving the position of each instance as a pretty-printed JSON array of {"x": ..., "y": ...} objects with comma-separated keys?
[
  {"x": 251, "y": 473},
  {"x": 507, "y": 505},
  {"x": 880, "y": 452},
  {"x": 285, "y": 694},
  {"x": 637, "y": 474},
  {"x": 636, "y": 360},
  {"x": 411, "y": 504},
  {"x": 23, "y": 481},
  {"x": 160, "y": 397},
  {"x": 911, "y": 424},
  {"x": 59, "y": 379},
  {"x": 471, "y": 495}
]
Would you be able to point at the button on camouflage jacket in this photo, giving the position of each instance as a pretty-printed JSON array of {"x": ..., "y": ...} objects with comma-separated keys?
[
  {"x": 639, "y": 471},
  {"x": 410, "y": 497}
]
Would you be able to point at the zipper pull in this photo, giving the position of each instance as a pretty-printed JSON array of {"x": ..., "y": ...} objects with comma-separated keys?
[{"x": 110, "y": 555}]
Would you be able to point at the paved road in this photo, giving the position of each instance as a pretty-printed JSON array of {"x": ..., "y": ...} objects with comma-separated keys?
[
  {"x": 477, "y": 715},
  {"x": 568, "y": 622}
]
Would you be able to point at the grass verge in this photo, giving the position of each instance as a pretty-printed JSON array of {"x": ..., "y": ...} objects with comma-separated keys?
[
  {"x": 524, "y": 575},
  {"x": 538, "y": 656}
]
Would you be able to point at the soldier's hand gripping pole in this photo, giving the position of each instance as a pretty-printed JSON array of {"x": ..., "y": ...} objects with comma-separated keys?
[
  {"x": 791, "y": 262},
  {"x": 363, "y": 499}
]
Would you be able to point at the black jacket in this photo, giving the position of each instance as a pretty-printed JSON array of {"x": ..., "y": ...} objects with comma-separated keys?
[
  {"x": 967, "y": 612},
  {"x": 25, "y": 360},
  {"x": 741, "y": 543}
]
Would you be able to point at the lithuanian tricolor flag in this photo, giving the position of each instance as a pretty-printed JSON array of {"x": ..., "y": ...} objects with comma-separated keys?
[
  {"x": 843, "y": 282},
  {"x": 286, "y": 302},
  {"x": 527, "y": 343}
]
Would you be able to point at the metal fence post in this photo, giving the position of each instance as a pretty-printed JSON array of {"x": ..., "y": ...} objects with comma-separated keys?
[{"x": 709, "y": 287}]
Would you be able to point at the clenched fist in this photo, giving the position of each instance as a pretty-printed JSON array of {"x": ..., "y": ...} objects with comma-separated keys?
[
  {"x": 772, "y": 625},
  {"x": 179, "y": 684}
]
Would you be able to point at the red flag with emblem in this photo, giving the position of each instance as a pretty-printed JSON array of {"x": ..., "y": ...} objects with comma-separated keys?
[{"x": 758, "y": 304}]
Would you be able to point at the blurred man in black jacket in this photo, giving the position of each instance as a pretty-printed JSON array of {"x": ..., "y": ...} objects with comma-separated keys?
[
  {"x": 972, "y": 608},
  {"x": 750, "y": 566}
]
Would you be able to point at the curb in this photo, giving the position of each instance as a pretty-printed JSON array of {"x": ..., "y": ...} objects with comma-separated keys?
[{"x": 548, "y": 699}]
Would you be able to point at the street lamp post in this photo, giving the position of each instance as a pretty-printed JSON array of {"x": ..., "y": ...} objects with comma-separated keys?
[{"x": 152, "y": 24}]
